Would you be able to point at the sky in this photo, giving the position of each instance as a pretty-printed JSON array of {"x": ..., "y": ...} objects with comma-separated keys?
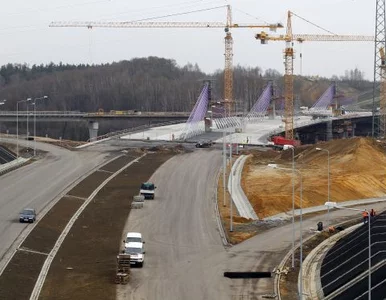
[{"x": 27, "y": 38}]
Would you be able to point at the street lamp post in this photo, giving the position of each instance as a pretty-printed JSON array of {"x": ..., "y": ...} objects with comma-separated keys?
[
  {"x": 328, "y": 183},
  {"x": 34, "y": 104},
  {"x": 17, "y": 124},
  {"x": 300, "y": 225},
  {"x": 293, "y": 207},
  {"x": 224, "y": 153},
  {"x": 334, "y": 205},
  {"x": 2, "y": 103},
  {"x": 231, "y": 180}
]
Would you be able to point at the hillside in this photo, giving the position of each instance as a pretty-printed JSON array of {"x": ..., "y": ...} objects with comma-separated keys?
[{"x": 357, "y": 170}]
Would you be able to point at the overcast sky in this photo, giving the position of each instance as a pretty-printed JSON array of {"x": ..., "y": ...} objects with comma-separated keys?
[{"x": 26, "y": 37}]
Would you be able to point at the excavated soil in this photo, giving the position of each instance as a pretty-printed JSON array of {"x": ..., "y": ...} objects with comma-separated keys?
[
  {"x": 89, "y": 184},
  {"x": 43, "y": 237},
  {"x": 357, "y": 171},
  {"x": 19, "y": 278},
  {"x": 84, "y": 267}
]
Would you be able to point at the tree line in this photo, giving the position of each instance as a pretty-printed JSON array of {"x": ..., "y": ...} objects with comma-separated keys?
[{"x": 147, "y": 84}]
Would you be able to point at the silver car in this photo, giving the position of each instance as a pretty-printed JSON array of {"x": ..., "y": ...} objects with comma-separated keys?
[{"x": 27, "y": 215}]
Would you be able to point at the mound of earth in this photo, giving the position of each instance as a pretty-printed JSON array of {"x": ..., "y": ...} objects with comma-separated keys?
[
  {"x": 357, "y": 171},
  {"x": 167, "y": 149}
]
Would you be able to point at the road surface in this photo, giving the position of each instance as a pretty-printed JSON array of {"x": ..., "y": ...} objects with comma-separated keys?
[
  {"x": 185, "y": 258},
  {"x": 183, "y": 245},
  {"x": 37, "y": 184}
]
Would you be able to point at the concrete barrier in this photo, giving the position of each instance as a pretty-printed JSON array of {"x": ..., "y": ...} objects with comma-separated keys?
[{"x": 4, "y": 168}]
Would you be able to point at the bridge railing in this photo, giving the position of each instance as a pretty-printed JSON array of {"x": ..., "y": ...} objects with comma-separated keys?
[
  {"x": 91, "y": 114},
  {"x": 42, "y": 113},
  {"x": 119, "y": 133}
]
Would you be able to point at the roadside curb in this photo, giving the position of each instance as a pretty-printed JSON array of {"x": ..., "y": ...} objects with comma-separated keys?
[
  {"x": 239, "y": 198},
  {"x": 319, "y": 208},
  {"x": 312, "y": 263},
  {"x": 15, "y": 164},
  {"x": 220, "y": 226}
]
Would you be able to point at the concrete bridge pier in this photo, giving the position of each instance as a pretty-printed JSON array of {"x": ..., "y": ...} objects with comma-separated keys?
[
  {"x": 329, "y": 130},
  {"x": 93, "y": 127}
]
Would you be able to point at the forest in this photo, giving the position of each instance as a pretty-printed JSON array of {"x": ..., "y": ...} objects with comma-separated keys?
[{"x": 150, "y": 84}]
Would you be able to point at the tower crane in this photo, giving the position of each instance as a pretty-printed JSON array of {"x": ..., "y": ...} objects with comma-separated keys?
[
  {"x": 289, "y": 38},
  {"x": 380, "y": 67},
  {"x": 228, "y": 69}
]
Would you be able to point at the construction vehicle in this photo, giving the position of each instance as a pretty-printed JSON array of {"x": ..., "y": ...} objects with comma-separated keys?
[
  {"x": 228, "y": 69},
  {"x": 282, "y": 141},
  {"x": 122, "y": 274},
  {"x": 289, "y": 38}
]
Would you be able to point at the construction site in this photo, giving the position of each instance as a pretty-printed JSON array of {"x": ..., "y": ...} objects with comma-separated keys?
[{"x": 276, "y": 206}]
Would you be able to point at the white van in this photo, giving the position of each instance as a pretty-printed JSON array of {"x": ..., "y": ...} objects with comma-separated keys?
[
  {"x": 135, "y": 237},
  {"x": 137, "y": 253}
]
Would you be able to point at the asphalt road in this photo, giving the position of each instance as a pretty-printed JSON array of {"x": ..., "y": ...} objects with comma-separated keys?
[
  {"x": 184, "y": 252},
  {"x": 36, "y": 185},
  {"x": 185, "y": 258}
]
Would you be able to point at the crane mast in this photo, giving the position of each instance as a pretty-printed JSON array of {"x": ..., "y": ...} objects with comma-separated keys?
[
  {"x": 289, "y": 82},
  {"x": 228, "y": 69}
]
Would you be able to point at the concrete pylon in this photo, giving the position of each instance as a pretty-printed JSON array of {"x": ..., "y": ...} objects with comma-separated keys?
[
  {"x": 329, "y": 130},
  {"x": 93, "y": 127}
]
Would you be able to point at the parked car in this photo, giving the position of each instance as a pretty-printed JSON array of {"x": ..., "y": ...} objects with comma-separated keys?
[
  {"x": 133, "y": 237},
  {"x": 204, "y": 144},
  {"x": 137, "y": 253},
  {"x": 27, "y": 215},
  {"x": 147, "y": 190}
]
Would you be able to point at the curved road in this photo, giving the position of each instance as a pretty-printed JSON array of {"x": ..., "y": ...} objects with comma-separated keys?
[
  {"x": 183, "y": 247},
  {"x": 36, "y": 185},
  {"x": 185, "y": 258}
]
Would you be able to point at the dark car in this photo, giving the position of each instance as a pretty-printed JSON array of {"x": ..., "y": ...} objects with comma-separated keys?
[
  {"x": 204, "y": 144},
  {"x": 27, "y": 215}
]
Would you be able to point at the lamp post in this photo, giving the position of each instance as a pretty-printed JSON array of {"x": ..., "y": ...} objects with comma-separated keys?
[
  {"x": 2, "y": 103},
  {"x": 34, "y": 104},
  {"x": 293, "y": 207},
  {"x": 328, "y": 183},
  {"x": 334, "y": 205},
  {"x": 231, "y": 180},
  {"x": 17, "y": 124},
  {"x": 224, "y": 153},
  {"x": 300, "y": 224}
]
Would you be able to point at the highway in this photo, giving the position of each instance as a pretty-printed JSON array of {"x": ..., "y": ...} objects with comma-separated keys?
[
  {"x": 184, "y": 251},
  {"x": 36, "y": 185}
]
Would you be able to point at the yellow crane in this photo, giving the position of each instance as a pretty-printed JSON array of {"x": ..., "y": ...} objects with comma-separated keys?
[
  {"x": 228, "y": 69},
  {"x": 289, "y": 38}
]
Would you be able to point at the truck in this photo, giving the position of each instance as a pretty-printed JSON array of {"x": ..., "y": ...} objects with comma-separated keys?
[{"x": 281, "y": 141}]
